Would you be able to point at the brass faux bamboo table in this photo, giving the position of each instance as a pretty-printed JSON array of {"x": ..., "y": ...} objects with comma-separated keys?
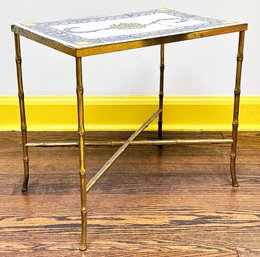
[{"x": 98, "y": 35}]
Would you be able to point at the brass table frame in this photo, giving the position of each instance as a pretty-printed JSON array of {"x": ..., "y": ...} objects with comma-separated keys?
[{"x": 78, "y": 54}]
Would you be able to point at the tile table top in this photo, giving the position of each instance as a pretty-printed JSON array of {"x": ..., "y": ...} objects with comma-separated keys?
[{"x": 107, "y": 30}]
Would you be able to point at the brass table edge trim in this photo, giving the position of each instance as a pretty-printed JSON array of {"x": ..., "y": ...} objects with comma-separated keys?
[{"x": 88, "y": 51}]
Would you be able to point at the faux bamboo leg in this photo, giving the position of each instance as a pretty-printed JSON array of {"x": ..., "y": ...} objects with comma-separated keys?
[
  {"x": 236, "y": 109},
  {"x": 81, "y": 133},
  {"x": 161, "y": 93},
  {"x": 22, "y": 111}
]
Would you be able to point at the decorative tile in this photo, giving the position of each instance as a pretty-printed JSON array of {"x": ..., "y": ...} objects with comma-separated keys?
[{"x": 95, "y": 31}]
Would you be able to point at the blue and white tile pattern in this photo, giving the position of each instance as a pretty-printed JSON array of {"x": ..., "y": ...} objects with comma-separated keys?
[{"x": 95, "y": 31}]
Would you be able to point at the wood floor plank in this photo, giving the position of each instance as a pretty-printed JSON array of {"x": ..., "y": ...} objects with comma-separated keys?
[{"x": 169, "y": 201}]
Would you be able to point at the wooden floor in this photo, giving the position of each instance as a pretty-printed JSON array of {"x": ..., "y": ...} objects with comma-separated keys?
[{"x": 154, "y": 202}]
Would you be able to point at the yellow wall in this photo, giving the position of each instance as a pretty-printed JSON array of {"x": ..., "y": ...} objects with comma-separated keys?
[{"x": 47, "y": 113}]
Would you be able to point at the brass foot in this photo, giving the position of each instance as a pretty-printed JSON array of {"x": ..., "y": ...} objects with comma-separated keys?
[
  {"x": 83, "y": 247},
  {"x": 24, "y": 189},
  {"x": 25, "y": 184},
  {"x": 235, "y": 184}
]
